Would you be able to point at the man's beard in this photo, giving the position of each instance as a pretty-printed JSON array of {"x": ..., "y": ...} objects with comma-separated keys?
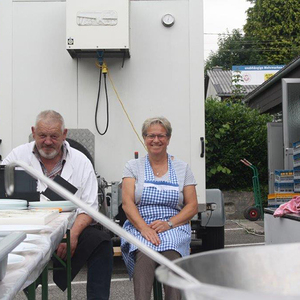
[{"x": 48, "y": 155}]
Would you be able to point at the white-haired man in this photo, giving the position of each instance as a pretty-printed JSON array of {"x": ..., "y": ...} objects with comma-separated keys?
[{"x": 52, "y": 155}]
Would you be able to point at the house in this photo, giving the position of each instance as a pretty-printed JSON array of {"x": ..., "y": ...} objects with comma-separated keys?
[
  {"x": 218, "y": 84},
  {"x": 267, "y": 97},
  {"x": 280, "y": 95}
]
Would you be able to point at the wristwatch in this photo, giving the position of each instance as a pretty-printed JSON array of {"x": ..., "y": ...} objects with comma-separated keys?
[{"x": 170, "y": 224}]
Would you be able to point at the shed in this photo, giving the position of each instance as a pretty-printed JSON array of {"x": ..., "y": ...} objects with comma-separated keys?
[
  {"x": 218, "y": 84},
  {"x": 267, "y": 97}
]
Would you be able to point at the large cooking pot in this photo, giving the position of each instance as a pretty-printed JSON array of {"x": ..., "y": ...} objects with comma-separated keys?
[{"x": 260, "y": 272}]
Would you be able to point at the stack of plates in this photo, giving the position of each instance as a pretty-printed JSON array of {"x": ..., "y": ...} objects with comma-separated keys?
[
  {"x": 64, "y": 205},
  {"x": 15, "y": 259},
  {"x": 24, "y": 228},
  {"x": 12, "y": 204},
  {"x": 30, "y": 217},
  {"x": 25, "y": 247}
]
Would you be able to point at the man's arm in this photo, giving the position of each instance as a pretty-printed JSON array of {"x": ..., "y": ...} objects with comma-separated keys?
[
  {"x": 81, "y": 222},
  {"x": 85, "y": 179}
]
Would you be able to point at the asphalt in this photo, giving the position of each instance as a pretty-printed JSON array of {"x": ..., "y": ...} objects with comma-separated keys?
[{"x": 252, "y": 226}]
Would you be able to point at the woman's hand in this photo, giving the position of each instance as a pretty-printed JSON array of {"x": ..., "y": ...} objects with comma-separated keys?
[
  {"x": 150, "y": 235},
  {"x": 133, "y": 214},
  {"x": 159, "y": 226}
]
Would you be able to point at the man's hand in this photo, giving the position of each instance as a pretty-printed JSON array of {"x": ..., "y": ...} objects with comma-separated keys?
[
  {"x": 81, "y": 222},
  {"x": 62, "y": 248}
]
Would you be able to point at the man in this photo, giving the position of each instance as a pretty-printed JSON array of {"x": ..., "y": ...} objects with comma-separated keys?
[{"x": 52, "y": 155}]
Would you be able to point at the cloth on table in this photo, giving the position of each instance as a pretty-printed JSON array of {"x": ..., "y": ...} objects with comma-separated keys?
[{"x": 293, "y": 206}]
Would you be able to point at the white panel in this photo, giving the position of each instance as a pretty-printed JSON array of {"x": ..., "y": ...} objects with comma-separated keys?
[
  {"x": 94, "y": 24},
  {"x": 275, "y": 152},
  {"x": 197, "y": 109},
  {"x": 290, "y": 117},
  {"x": 154, "y": 81},
  {"x": 211, "y": 91},
  {"x": 44, "y": 76},
  {"x": 164, "y": 76},
  {"x": 5, "y": 76},
  {"x": 281, "y": 230}
]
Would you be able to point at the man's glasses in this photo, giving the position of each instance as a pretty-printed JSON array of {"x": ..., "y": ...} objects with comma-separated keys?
[{"x": 153, "y": 136}]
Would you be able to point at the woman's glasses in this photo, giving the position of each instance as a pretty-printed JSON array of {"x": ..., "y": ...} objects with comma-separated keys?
[{"x": 153, "y": 136}]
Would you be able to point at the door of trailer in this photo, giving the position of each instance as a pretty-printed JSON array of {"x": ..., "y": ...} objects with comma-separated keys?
[{"x": 291, "y": 117}]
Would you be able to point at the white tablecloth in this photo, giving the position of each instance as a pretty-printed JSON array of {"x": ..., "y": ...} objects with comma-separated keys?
[{"x": 21, "y": 275}]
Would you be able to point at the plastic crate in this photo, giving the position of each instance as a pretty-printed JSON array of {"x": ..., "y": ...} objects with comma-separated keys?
[
  {"x": 282, "y": 195},
  {"x": 276, "y": 199},
  {"x": 296, "y": 148},
  {"x": 284, "y": 176},
  {"x": 274, "y": 204},
  {"x": 296, "y": 173},
  {"x": 296, "y": 160},
  {"x": 284, "y": 187},
  {"x": 297, "y": 185}
]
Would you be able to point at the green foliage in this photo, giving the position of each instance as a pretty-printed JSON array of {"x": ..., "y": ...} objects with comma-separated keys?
[
  {"x": 238, "y": 90},
  {"x": 271, "y": 36},
  {"x": 274, "y": 26},
  {"x": 233, "y": 132},
  {"x": 232, "y": 51}
]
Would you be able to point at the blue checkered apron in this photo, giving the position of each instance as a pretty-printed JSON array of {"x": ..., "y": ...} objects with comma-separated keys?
[{"x": 158, "y": 202}]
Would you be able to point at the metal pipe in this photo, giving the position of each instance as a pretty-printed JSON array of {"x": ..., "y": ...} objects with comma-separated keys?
[{"x": 160, "y": 259}]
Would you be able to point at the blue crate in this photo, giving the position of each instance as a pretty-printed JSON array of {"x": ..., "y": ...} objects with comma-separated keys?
[
  {"x": 284, "y": 187},
  {"x": 297, "y": 185},
  {"x": 284, "y": 176},
  {"x": 296, "y": 148},
  {"x": 296, "y": 160},
  {"x": 297, "y": 172}
]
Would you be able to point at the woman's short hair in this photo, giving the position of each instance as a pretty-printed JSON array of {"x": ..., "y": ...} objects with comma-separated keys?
[
  {"x": 51, "y": 115},
  {"x": 157, "y": 120}
]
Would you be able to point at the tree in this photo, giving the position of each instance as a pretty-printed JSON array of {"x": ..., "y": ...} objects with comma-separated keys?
[
  {"x": 271, "y": 36},
  {"x": 273, "y": 27},
  {"x": 232, "y": 51},
  {"x": 234, "y": 131},
  {"x": 237, "y": 89}
]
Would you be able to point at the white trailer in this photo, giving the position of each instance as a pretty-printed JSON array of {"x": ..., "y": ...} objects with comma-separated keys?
[{"x": 154, "y": 54}]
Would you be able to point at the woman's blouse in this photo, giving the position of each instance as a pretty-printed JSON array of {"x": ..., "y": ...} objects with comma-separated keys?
[{"x": 135, "y": 168}]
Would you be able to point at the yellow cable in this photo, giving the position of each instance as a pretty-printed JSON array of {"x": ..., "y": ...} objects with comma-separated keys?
[
  {"x": 123, "y": 107},
  {"x": 104, "y": 68}
]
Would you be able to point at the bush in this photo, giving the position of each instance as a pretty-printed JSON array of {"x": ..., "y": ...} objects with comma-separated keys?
[{"x": 233, "y": 132}]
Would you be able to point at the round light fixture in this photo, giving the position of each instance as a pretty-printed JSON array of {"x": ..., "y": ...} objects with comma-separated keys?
[{"x": 168, "y": 20}]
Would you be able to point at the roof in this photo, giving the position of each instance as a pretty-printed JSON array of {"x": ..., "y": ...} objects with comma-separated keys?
[
  {"x": 276, "y": 77},
  {"x": 222, "y": 82}
]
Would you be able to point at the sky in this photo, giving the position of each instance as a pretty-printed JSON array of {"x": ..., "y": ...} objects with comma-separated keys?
[{"x": 220, "y": 15}]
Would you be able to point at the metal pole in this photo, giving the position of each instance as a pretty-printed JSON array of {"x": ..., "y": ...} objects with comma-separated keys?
[
  {"x": 45, "y": 283},
  {"x": 69, "y": 274},
  {"x": 31, "y": 291},
  {"x": 160, "y": 259}
]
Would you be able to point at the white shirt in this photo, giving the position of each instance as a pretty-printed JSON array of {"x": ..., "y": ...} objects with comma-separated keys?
[{"x": 78, "y": 170}]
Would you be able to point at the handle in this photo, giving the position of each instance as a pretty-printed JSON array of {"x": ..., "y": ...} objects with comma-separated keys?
[
  {"x": 202, "y": 147},
  {"x": 246, "y": 162}
]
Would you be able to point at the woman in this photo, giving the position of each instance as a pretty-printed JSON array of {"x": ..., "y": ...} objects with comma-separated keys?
[{"x": 159, "y": 199}]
